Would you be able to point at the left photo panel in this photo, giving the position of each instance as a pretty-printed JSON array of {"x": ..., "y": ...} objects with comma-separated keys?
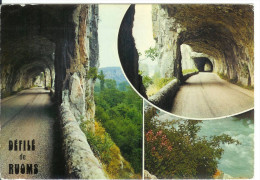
[{"x": 67, "y": 110}]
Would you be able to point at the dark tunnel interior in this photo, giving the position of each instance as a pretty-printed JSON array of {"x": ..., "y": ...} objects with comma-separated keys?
[{"x": 203, "y": 64}]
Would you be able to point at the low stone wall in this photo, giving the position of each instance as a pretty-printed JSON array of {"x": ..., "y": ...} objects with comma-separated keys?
[
  {"x": 164, "y": 97},
  {"x": 80, "y": 160},
  {"x": 188, "y": 75}
]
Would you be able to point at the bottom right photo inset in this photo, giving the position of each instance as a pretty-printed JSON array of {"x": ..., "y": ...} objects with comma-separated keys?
[{"x": 176, "y": 148}]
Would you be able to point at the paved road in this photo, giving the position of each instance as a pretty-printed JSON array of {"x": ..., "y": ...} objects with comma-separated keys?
[
  {"x": 28, "y": 116},
  {"x": 206, "y": 95}
]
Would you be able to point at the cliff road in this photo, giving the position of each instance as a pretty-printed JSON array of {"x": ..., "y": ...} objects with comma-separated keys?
[
  {"x": 27, "y": 129},
  {"x": 207, "y": 95},
  {"x": 53, "y": 47},
  {"x": 195, "y": 45}
]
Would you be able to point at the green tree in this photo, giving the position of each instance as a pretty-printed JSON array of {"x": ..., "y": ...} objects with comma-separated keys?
[
  {"x": 152, "y": 53},
  {"x": 122, "y": 86},
  {"x": 156, "y": 75},
  {"x": 92, "y": 73},
  {"x": 110, "y": 83},
  {"x": 147, "y": 81},
  {"x": 173, "y": 149},
  {"x": 120, "y": 112},
  {"x": 101, "y": 77}
]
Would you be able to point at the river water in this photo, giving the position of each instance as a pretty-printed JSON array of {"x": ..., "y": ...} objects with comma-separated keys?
[{"x": 237, "y": 160}]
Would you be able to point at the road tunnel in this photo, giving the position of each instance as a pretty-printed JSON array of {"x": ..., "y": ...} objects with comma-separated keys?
[
  {"x": 53, "y": 46},
  {"x": 221, "y": 33},
  {"x": 203, "y": 64},
  {"x": 220, "y": 38},
  {"x": 51, "y": 42}
]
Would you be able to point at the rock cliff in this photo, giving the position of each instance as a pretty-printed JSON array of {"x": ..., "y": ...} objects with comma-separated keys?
[
  {"x": 223, "y": 33},
  {"x": 60, "y": 41},
  {"x": 128, "y": 53}
]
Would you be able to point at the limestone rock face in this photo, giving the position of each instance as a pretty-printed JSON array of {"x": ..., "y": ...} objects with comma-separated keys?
[
  {"x": 77, "y": 96},
  {"x": 93, "y": 52},
  {"x": 187, "y": 57},
  {"x": 60, "y": 42},
  {"x": 225, "y": 33},
  {"x": 165, "y": 33},
  {"x": 128, "y": 53}
]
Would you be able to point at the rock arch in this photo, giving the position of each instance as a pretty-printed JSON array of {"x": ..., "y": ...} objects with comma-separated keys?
[
  {"x": 60, "y": 41},
  {"x": 222, "y": 32},
  {"x": 203, "y": 64}
]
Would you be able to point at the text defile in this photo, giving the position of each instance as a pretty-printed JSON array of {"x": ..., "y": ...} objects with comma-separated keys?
[{"x": 22, "y": 145}]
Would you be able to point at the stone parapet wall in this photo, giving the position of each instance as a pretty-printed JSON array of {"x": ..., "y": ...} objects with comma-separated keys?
[
  {"x": 80, "y": 160},
  {"x": 164, "y": 97},
  {"x": 188, "y": 75}
]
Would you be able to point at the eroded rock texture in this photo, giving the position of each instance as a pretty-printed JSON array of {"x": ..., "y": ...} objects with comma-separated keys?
[
  {"x": 61, "y": 42},
  {"x": 128, "y": 53},
  {"x": 223, "y": 33}
]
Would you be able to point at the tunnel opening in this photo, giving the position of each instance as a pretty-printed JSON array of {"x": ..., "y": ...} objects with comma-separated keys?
[
  {"x": 203, "y": 64},
  {"x": 39, "y": 80},
  {"x": 216, "y": 46},
  {"x": 51, "y": 46}
]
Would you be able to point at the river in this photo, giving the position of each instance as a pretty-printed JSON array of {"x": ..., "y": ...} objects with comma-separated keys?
[{"x": 237, "y": 160}]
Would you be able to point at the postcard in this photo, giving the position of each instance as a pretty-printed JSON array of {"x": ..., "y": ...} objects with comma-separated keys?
[{"x": 127, "y": 91}]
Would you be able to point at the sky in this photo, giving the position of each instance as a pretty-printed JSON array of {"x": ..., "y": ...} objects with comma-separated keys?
[
  {"x": 142, "y": 30},
  {"x": 110, "y": 17},
  {"x": 143, "y": 34}
]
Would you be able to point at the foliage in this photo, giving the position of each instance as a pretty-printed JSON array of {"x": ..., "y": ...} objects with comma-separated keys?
[
  {"x": 245, "y": 70},
  {"x": 92, "y": 73},
  {"x": 107, "y": 152},
  {"x": 97, "y": 87},
  {"x": 147, "y": 81},
  {"x": 234, "y": 81},
  {"x": 162, "y": 82},
  {"x": 152, "y": 53},
  {"x": 120, "y": 113},
  {"x": 157, "y": 84},
  {"x": 101, "y": 77},
  {"x": 156, "y": 75},
  {"x": 187, "y": 71},
  {"x": 140, "y": 72},
  {"x": 110, "y": 83},
  {"x": 173, "y": 149},
  {"x": 122, "y": 86}
]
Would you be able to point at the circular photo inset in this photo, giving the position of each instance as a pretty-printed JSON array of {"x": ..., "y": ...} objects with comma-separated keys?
[{"x": 195, "y": 61}]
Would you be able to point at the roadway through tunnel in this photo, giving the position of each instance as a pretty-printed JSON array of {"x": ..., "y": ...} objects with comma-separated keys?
[
  {"x": 30, "y": 115},
  {"x": 55, "y": 47},
  {"x": 206, "y": 95}
]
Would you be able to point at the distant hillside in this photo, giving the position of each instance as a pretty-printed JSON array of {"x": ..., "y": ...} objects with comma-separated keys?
[{"x": 113, "y": 73}]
